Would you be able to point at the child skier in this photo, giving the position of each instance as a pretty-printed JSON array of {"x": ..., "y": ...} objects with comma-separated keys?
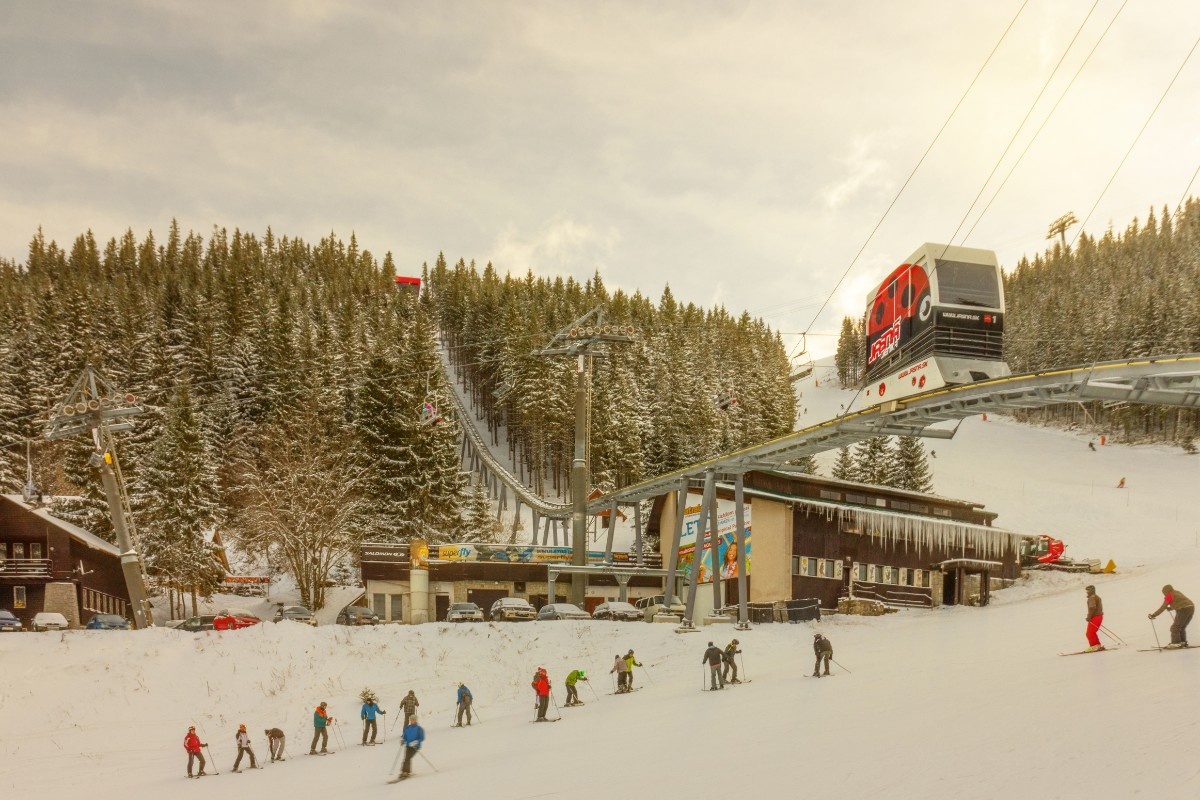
[
  {"x": 243, "y": 746},
  {"x": 731, "y": 650},
  {"x": 541, "y": 686},
  {"x": 572, "y": 692},
  {"x": 369, "y": 710},
  {"x": 193, "y": 746},
  {"x": 621, "y": 667}
]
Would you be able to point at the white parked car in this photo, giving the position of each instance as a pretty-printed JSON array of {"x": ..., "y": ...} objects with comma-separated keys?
[
  {"x": 464, "y": 612},
  {"x": 49, "y": 621},
  {"x": 510, "y": 608}
]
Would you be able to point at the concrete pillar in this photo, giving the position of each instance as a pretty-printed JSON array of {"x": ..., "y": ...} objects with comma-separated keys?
[{"x": 63, "y": 598}]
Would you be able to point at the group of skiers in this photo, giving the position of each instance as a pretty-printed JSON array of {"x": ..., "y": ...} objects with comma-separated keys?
[
  {"x": 722, "y": 665},
  {"x": 1174, "y": 601}
]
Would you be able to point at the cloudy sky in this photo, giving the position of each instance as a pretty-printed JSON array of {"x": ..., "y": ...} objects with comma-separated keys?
[{"x": 740, "y": 152}]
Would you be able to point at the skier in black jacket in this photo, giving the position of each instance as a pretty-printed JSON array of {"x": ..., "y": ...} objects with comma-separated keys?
[
  {"x": 713, "y": 657},
  {"x": 823, "y": 649}
]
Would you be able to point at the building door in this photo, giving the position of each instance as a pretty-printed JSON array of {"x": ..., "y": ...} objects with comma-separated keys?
[
  {"x": 441, "y": 605},
  {"x": 484, "y": 599},
  {"x": 950, "y": 588}
]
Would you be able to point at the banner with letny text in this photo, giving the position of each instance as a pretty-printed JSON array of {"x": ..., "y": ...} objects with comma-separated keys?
[{"x": 726, "y": 533}]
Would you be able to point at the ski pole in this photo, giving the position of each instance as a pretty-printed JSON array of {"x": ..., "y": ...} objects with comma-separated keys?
[
  {"x": 427, "y": 761},
  {"x": 593, "y": 691},
  {"x": 213, "y": 760},
  {"x": 1113, "y": 635},
  {"x": 552, "y": 700},
  {"x": 1154, "y": 628},
  {"x": 847, "y": 671},
  {"x": 745, "y": 677},
  {"x": 646, "y": 672},
  {"x": 396, "y": 760}
]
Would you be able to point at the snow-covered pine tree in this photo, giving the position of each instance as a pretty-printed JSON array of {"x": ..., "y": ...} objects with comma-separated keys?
[
  {"x": 872, "y": 461},
  {"x": 910, "y": 466},
  {"x": 479, "y": 521},
  {"x": 845, "y": 468}
]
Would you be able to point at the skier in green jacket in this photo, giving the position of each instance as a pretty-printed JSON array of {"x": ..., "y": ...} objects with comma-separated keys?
[{"x": 572, "y": 692}]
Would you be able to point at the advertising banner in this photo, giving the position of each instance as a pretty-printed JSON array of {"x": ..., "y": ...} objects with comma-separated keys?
[{"x": 726, "y": 534}]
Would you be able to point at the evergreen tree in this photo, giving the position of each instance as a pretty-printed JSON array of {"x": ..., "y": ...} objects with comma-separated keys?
[
  {"x": 910, "y": 466},
  {"x": 872, "y": 461},
  {"x": 480, "y": 524},
  {"x": 846, "y": 468}
]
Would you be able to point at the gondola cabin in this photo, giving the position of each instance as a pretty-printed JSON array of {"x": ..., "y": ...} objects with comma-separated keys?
[{"x": 937, "y": 320}]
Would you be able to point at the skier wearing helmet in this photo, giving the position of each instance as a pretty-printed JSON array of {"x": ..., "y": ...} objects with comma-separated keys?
[
  {"x": 243, "y": 746},
  {"x": 1178, "y": 602},
  {"x": 572, "y": 693},
  {"x": 823, "y": 649},
  {"x": 321, "y": 720},
  {"x": 541, "y": 686},
  {"x": 630, "y": 663},
  {"x": 193, "y": 745}
]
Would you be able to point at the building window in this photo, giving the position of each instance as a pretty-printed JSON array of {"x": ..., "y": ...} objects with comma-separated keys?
[
  {"x": 879, "y": 501},
  {"x": 941, "y": 512},
  {"x": 35, "y": 550},
  {"x": 900, "y": 505},
  {"x": 829, "y": 494},
  {"x": 830, "y": 568},
  {"x": 861, "y": 569},
  {"x": 849, "y": 526},
  {"x": 18, "y": 550},
  {"x": 795, "y": 565},
  {"x": 379, "y": 605},
  {"x": 812, "y": 567},
  {"x": 18, "y": 597},
  {"x": 878, "y": 573},
  {"x": 920, "y": 509},
  {"x": 860, "y": 499},
  {"x": 397, "y": 607}
]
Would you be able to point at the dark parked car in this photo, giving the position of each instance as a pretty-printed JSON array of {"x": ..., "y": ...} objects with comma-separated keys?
[
  {"x": 357, "y": 615},
  {"x": 561, "y": 611},
  {"x": 9, "y": 622},
  {"x": 107, "y": 622},
  {"x": 232, "y": 620},
  {"x": 618, "y": 611},
  {"x": 464, "y": 612},
  {"x": 204, "y": 622},
  {"x": 296, "y": 614},
  {"x": 510, "y": 608}
]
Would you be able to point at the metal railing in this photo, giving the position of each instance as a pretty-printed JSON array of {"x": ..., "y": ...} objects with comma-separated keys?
[{"x": 909, "y": 596}]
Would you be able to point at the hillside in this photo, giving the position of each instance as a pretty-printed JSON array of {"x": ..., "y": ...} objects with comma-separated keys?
[{"x": 939, "y": 703}]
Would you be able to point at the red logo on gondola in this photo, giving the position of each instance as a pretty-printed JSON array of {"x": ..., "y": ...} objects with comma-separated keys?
[{"x": 882, "y": 389}]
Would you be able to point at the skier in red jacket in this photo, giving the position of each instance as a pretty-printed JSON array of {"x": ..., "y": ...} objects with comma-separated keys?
[
  {"x": 541, "y": 685},
  {"x": 192, "y": 744}
]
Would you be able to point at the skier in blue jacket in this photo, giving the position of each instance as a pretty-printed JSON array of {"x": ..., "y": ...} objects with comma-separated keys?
[
  {"x": 414, "y": 735},
  {"x": 464, "y": 704},
  {"x": 369, "y": 710}
]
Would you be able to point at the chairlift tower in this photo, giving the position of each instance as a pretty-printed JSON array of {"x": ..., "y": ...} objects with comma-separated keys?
[
  {"x": 94, "y": 405},
  {"x": 586, "y": 338}
]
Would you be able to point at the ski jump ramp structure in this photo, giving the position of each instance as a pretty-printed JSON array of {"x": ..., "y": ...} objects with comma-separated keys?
[{"x": 1166, "y": 380}]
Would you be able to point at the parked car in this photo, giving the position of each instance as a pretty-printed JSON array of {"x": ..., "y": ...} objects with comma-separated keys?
[
  {"x": 561, "y": 611},
  {"x": 464, "y": 612},
  {"x": 511, "y": 608},
  {"x": 652, "y": 605},
  {"x": 296, "y": 614},
  {"x": 203, "y": 622},
  {"x": 357, "y": 615},
  {"x": 232, "y": 620},
  {"x": 49, "y": 621},
  {"x": 107, "y": 622},
  {"x": 9, "y": 622},
  {"x": 617, "y": 610}
]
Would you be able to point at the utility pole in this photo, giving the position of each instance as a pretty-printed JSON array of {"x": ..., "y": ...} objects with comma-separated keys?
[
  {"x": 583, "y": 341},
  {"x": 91, "y": 406}
]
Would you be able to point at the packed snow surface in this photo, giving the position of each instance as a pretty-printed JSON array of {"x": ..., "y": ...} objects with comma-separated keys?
[{"x": 951, "y": 702}]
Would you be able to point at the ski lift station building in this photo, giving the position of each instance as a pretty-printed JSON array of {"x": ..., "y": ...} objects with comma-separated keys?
[{"x": 808, "y": 537}]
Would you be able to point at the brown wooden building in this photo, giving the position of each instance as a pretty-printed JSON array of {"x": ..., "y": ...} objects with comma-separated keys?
[
  {"x": 814, "y": 537},
  {"x": 47, "y": 564}
]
